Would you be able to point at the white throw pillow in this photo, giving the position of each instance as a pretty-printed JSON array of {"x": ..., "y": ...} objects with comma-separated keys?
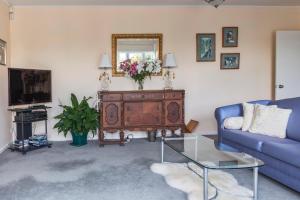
[
  {"x": 234, "y": 123},
  {"x": 248, "y": 116},
  {"x": 270, "y": 120},
  {"x": 249, "y": 110}
]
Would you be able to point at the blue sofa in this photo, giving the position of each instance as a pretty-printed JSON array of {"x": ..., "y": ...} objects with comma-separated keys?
[{"x": 281, "y": 156}]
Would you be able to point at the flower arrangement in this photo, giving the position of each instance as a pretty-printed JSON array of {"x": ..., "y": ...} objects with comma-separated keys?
[{"x": 139, "y": 71}]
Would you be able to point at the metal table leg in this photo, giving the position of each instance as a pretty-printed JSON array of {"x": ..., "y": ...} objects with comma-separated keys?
[
  {"x": 23, "y": 145},
  {"x": 162, "y": 149},
  {"x": 205, "y": 184},
  {"x": 255, "y": 181}
]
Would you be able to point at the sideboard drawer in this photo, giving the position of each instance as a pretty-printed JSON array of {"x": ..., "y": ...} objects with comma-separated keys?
[
  {"x": 111, "y": 114},
  {"x": 112, "y": 97},
  {"x": 154, "y": 96},
  {"x": 142, "y": 96},
  {"x": 174, "y": 112},
  {"x": 143, "y": 113},
  {"x": 173, "y": 95}
]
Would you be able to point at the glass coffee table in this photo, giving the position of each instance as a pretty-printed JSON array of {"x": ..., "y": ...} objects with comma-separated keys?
[{"x": 203, "y": 152}]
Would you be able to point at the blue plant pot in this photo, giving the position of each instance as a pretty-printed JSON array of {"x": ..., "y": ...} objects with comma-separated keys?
[{"x": 79, "y": 139}]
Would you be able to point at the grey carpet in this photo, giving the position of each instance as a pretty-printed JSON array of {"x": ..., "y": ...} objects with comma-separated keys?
[{"x": 65, "y": 172}]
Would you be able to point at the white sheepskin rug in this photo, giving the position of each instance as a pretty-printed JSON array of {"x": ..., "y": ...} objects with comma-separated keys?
[{"x": 180, "y": 177}]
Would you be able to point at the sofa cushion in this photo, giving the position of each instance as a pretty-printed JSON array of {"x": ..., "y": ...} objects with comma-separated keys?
[
  {"x": 270, "y": 121},
  {"x": 293, "y": 128},
  {"x": 248, "y": 110},
  {"x": 233, "y": 123},
  {"x": 286, "y": 150},
  {"x": 249, "y": 140}
]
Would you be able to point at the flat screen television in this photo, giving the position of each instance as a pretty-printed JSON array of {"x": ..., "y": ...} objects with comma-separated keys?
[{"x": 29, "y": 86}]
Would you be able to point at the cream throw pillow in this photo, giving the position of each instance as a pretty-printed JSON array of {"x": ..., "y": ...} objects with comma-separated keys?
[
  {"x": 248, "y": 116},
  {"x": 249, "y": 110},
  {"x": 270, "y": 121},
  {"x": 234, "y": 123}
]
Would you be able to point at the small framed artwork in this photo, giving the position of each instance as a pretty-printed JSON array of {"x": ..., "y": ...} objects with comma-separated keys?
[
  {"x": 230, "y": 36},
  {"x": 2, "y": 52},
  {"x": 230, "y": 61},
  {"x": 206, "y": 47}
]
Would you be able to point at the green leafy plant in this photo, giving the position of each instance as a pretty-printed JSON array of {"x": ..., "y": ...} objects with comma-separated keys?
[{"x": 79, "y": 118}]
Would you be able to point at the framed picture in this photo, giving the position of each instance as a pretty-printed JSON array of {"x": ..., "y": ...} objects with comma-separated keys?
[
  {"x": 230, "y": 36},
  {"x": 206, "y": 47},
  {"x": 2, "y": 52},
  {"x": 230, "y": 61}
]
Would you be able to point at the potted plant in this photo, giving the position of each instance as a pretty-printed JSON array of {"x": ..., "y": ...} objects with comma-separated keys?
[{"x": 79, "y": 119}]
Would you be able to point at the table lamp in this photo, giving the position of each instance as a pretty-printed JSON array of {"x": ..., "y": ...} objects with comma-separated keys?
[
  {"x": 104, "y": 76},
  {"x": 168, "y": 76}
]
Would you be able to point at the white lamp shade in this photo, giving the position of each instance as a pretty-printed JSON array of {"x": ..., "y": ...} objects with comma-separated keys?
[
  {"x": 105, "y": 62},
  {"x": 170, "y": 61}
]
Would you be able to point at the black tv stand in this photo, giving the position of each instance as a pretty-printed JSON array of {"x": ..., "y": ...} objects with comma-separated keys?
[
  {"x": 24, "y": 118},
  {"x": 37, "y": 107}
]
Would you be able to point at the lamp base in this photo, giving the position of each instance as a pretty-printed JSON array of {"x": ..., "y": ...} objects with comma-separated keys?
[
  {"x": 168, "y": 81},
  {"x": 105, "y": 85},
  {"x": 105, "y": 81}
]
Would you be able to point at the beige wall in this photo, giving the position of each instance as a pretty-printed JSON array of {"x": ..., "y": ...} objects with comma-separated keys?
[
  {"x": 4, "y": 115},
  {"x": 70, "y": 39}
]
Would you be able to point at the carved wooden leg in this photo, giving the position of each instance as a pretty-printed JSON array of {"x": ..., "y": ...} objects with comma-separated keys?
[
  {"x": 101, "y": 138},
  {"x": 182, "y": 129},
  {"x": 149, "y": 133},
  {"x": 163, "y": 132},
  {"x": 173, "y": 132},
  {"x": 122, "y": 142},
  {"x": 155, "y": 133}
]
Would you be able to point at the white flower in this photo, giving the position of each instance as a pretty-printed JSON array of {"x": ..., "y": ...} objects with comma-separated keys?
[
  {"x": 156, "y": 66},
  {"x": 158, "y": 62},
  {"x": 140, "y": 68},
  {"x": 150, "y": 67}
]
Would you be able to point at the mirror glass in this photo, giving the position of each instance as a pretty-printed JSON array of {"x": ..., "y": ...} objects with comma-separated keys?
[{"x": 135, "y": 47}]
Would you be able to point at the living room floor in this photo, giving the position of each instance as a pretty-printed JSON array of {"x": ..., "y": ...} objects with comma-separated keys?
[{"x": 112, "y": 172}]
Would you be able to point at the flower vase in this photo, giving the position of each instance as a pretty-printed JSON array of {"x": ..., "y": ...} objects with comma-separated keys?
[{"x": 141, "y": 85}]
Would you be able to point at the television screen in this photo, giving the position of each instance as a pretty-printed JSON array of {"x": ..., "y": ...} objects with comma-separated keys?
[{"x": 29, "y": 86}]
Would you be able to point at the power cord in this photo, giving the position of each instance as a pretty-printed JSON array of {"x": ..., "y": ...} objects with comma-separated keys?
[{"x": 128, "y": 138}]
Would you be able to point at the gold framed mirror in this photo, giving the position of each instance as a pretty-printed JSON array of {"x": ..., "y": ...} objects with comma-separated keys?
[{"x": 135, "y": 46}]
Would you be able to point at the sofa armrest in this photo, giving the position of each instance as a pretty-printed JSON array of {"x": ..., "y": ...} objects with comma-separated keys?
[{"x": 227, "y": 111}]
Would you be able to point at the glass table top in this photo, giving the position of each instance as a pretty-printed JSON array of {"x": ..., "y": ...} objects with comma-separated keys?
[{"x": 203, "y": 151}]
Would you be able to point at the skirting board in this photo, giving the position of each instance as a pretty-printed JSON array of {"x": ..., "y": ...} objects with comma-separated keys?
[
  {"x": 136, "y": 135},
  {"x": 2, "y": 149},
  {"x": 114, "y": 136},
  {"x": 207, "y": 132}
]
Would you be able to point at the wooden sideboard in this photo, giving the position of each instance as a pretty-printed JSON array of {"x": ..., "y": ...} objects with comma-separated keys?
[{"x": 147, "y": 110}]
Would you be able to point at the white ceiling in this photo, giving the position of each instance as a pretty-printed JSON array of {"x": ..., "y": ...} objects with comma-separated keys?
[{"x": 152, "y": 2}]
